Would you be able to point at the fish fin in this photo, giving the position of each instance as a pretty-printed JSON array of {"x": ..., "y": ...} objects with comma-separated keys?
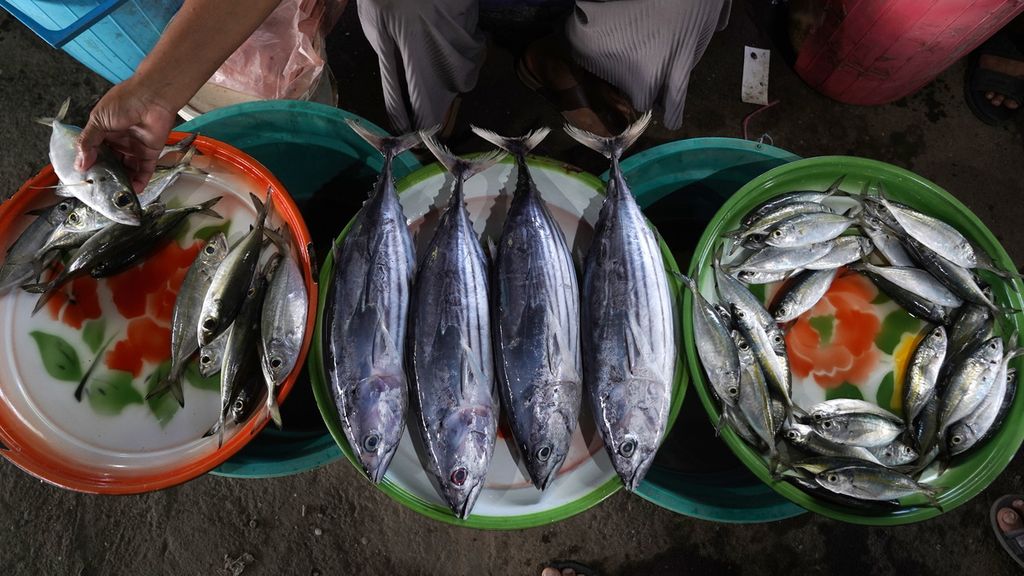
[
  {"x": 213, "y": 430},
  {"x": 277, "y": 238},
  {"x": 518, "y": 146},
  {"x": 61, "y": 114},
  {"x": 834, "y": 187},
  {"x": 690, "y": 282},
  {"x": 183, "y": 144},
  {"x": 388, "y": 146},
  {"x": 461, "y": 168},
  {"x": 474, "y": 367},
  {"x": 206, "y": 208},
  {"x": 274, "y": 411},
  {"x": 611, "y": 147},
  {"x": 171, "y": 383}
]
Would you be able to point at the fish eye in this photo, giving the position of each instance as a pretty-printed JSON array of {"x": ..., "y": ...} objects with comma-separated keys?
[
  {"x": 957, "y": 439},
  {"x": 238, "y": 405},
  {"x": 89, "y": 181},
  {"x": 73, "y": 218},
  {"x": 210, "y": 323},
  {"x": 210, "y": 249},
  {"x": 733, "y": 391},
  {"x": 832, "y": 478},
  {"x": 741, "y": 314},
  {"x": 205, "y": 359},
  {"x": 826, "y": 424},
  {"x": 459, "y": 476},
  {"x": 275, "y": 363},
  {"x": 543, "y": 453},
  {"x": 627, "y": 448},
  {"x": 777, "y": 339},
  {"x": 251, "y": 292},
  {"x": 776, "y": 233},
  {"x": 371, "y": 442},
  {"x": 744, "y": 346},
  {"x": 817, "y": 416},
  {"x": 791, "y": 434},
  {"x": 123, "y": 199},
  {"x": 783, "y": 310},
  {"x": 63, "y": 207}
]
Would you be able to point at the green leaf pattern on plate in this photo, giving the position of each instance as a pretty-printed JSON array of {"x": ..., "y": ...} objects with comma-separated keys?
[
  {"x": 196, "y": 379},
  {"x": 844, "y": 390},
  {"x": 112, "y": 392},
  {"x": 59, "y": 358},
  {"x": 164, "y": 407},
  {"x": 895, "y": 325},
  {"x": 93, "y": 332},
  {"x": 884, "y": 396}
]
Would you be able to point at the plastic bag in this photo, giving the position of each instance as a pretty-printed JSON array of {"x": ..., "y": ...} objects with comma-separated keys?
[{"x": 284, "y": 57}]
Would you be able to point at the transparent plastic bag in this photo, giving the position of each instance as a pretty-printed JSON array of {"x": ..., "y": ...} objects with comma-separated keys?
[{"x": 284, "y": 57}]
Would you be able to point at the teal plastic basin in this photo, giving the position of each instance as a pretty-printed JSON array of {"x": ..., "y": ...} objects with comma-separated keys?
[
  {"x": 328, "y": 170},
  {"x": 681, "y": 186}
]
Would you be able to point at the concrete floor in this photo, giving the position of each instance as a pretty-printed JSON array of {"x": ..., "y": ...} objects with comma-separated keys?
[{"x": 347, "y": 527}]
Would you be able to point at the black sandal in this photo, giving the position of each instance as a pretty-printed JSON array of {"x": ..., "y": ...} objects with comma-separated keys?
[
  {"x": 1012, "y": 542},
  {"x": 981, "y": 80}
]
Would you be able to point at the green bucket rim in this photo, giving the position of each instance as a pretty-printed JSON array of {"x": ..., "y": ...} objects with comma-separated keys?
[{"x": 442, "y": 513}]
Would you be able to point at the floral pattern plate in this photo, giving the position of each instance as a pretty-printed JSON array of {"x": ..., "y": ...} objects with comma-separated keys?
[
  {"x": 508, "y": 500},
  {"x": 855, "y": 343},
  {"x": 73, "y": 384}
]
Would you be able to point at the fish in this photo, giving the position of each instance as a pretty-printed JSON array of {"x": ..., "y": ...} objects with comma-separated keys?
[
  {"x": 980, "y": 424},
  {"x": 628, "y": 319},
  {"x": 773, "y": 204},
  {"x": 20, "y": 262},
  {"x": 896, "y": 454},
  {"x": 873, "y": 483},
  {"x": 922, "y": 373},
  {"x": 120, "y": 246},
  {"x": 845, "y": 249},
  {"x": 803, "y": 436},
  {"x": 769, "y": 352},
  {"x": 968, "y": 385},
  {"x": 926, "y": 429},
  {"x": 240, "y": 378},
  {"x": 105, "y": 186},
  {"x": 843, "y": 406},
  {"x": 858, "y": 429},
  {"x": 885, "y": 241},
  {"x": 755, "y": 401},
  {"x": 450, "y": 345},
  {"x": 366, "y": 318},
  {"x": 234, "y": 277},
  {"x": 776, "y": 259},
  {"x": 814, "y": 489},
  {"x": 536, "y": 310},
  {"x": 737, "y": 422},
  {"x": 282, "y": 326},
  {"x": 958, "y": 279},
  {"x": 802, "y": 294},
  {"x": 972, "y": 325},
  {"x": 807, "y": 229},
  {"x": 732, "y": 291},
  {"x": 783, "y": 212},
  {"x": 937, "y": 235},
  {"x": 908, "y": 300},
  {"x": 211, "y": 356},
  {"x": 185, "y": 316},
  {"x": 914, "y": 280},
  {"x": 748, "y": 277},
  {"x": 715, "y": 347}
]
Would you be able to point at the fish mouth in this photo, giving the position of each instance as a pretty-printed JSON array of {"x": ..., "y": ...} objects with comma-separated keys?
[
  {"x": 376, "y": 470},
  {"x": 462, "y": 509},
  {"x": 639, "y": 473}
]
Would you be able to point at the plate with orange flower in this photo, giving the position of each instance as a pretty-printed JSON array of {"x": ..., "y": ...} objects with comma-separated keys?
[
  {"x": 855, "y": 342},
  {"x": 73, "y": 384}
]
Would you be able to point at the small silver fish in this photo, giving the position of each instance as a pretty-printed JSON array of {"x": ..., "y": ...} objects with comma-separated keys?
[
  {"x": 843, "y": 406},
  {"x": 923, "y": 373},
  {"x": 755, "y": 402},
  {"x": 780, "y": 214},
  {"x": 715, "y": 347},
  {"x": 802, "y": 294},
  {"x": 21, "y": 263},
  {"x": 885, "y": 241},
  {"x": 804, "y": 436},
  {"x": 969, "y": 383},
  {"x": 240, "y": 382},
  {"x": 873, "y": 483},
  {"x": 867, "y": 430},
  {"x": 773, "y": 204},
  {"x": 776, "y": 259},
  {"x": 282, "y": 326},
  {"x": 845, "y": 249},
  {"x": 916, "y": 281},
  {"x": 807, "y": 229},
  {"x": 934, "y": 233},
  {"x": 770, "y": 352}
]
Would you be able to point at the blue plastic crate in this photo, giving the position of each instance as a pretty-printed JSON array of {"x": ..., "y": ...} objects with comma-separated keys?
[{"x": 110, "y": 37}]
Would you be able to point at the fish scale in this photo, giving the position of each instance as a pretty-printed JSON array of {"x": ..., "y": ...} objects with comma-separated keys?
[
  {"x": 629, "y": 332},
  {"x": 365, "y": 319},
  {"x": 537, "y": 323}
]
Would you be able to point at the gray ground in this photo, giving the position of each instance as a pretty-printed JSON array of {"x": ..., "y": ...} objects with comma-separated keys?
[{"x": 331, "y": 522}]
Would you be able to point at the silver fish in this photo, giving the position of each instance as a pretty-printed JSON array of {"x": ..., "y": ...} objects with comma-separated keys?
[
  {"x": 233, "y": 278},
  {"x": 978, "y": 425},
  {"x": 909, "y": 301},
  {"x": 105, "y": 186},
  {"x": 715, "y": 347},
  {"x": 211, "y": 356},
  {"x": 451, "y": 360},
  {"x": 773, "y": 204},
  {"x": 366, "y": 316},
  {"x": 916, "y": 281},
  {"x": 923, "y": 373},
  {"x": 755, "y": 402},
  {"x": 806, "y": 229},
  {"x": 804, "y": 436},
  {"x": 957, "y": 278},
  {"x": 779, "y": 214},
  {"x": 537, "y": 323},
  {"x": 895, "y": 454},
  {"x": 186, "y": 314},
  {"x": 845, "y": 249},
  {"x": 20, "y": 263},
  {"x": 934, "y": 233},
  {"x": 873, "y": 483},
  {"x": 972, "y": 326},
  {"x": 282, "y": 326},
  {"x": 240, "y": 382},
  {"x": 969, "y": 383},
  {"x": 748, "y": 277},
  {"x": 776, "y": 259},
  {"x": 802, "y": 294},
  {"x": 734, "y": 419},
  {"x": 843, "y": 406},
  {"x": 732, "y": 291},
  {"x": 885, "y": 241},
  {"x": 770, "y": 353},
  {"x": 858, "y": 429},
  {"x": 629, "y": 330}
]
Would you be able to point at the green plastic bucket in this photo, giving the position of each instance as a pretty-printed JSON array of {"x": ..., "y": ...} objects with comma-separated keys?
[
  {"x": 681, "y": 186},
  {"x": 328, "y": 170}
]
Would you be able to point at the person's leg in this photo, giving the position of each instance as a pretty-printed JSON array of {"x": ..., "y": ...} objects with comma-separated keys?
[
  {"x": 429, "y": 52},
  {"x": 646, "y": 48}
]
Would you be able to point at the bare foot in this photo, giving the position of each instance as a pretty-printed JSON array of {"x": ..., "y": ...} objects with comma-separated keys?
[
  {"x": 1006, "y": 66},
  {"x": 1012, "y": 518}
]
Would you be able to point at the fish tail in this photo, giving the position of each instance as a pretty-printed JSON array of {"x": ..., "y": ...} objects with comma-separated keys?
[
  {"x": 262, "y": 208},
  {"x": 61, "y": 114},
  {"x": 186, "y": 143},
  {"x": 690, "y": 283},
  {"x": 206, "y": 208},
  {"x": 277, "y": 237},
  {"x": 462, "y": 168},
  {"x": 220, "y": 430},
  {"x": 518, "y": 146},
  {"x": 388, "y": 146},
  {"x": 273, "y": 410},
  {"x": 46, "y": 289},
  {"x": 834, "y": 187},
  {"x": 189, "y": 154},
  {"x": 171, "y": 383},
  {"x": 611, "y": 147}
]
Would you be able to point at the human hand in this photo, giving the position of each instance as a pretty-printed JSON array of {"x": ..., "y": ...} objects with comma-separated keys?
[{"x": 134, "y": 122}]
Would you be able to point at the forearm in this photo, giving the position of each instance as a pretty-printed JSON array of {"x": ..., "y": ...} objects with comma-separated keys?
[{"x": 201, "y": 37}]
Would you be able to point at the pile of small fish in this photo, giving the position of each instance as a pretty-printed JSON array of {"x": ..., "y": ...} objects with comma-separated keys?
[
  {"x": 456, "y": 332},
  {"x": 246, "y": 319},
  {"x": 957, "y": 387}
]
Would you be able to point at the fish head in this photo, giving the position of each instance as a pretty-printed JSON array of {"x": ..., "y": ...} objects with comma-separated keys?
[
  {"x": 378, "y": 421},
  {"x": 60, "y": 212},
  {"x": 468, "y": 442},
  {"x": 210, "y": 324},
  {"x": 113, "y": 193},
  {"x": 278, "y": 351},
  {"x": 898, "y": 453},
  {"x": 245, "y": 403},
  {"x": 960, "y": 438},
  {"x": 796, "y": 433},
  {"x": 209, "y": 361},
  {"x": 785, "y": 234},
  {"x": 992, "y": 350},
  {"x": 836, "y": 480},
  {"x": 214, "y": 250},
  {"x": 549, "y": 439},
  {"x": 632, "y": 441}
]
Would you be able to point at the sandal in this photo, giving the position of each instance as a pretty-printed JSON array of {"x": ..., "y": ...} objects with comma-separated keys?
[
  {"x": 980, "y": 80},
  {"x": 1012, "y": 542}
]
